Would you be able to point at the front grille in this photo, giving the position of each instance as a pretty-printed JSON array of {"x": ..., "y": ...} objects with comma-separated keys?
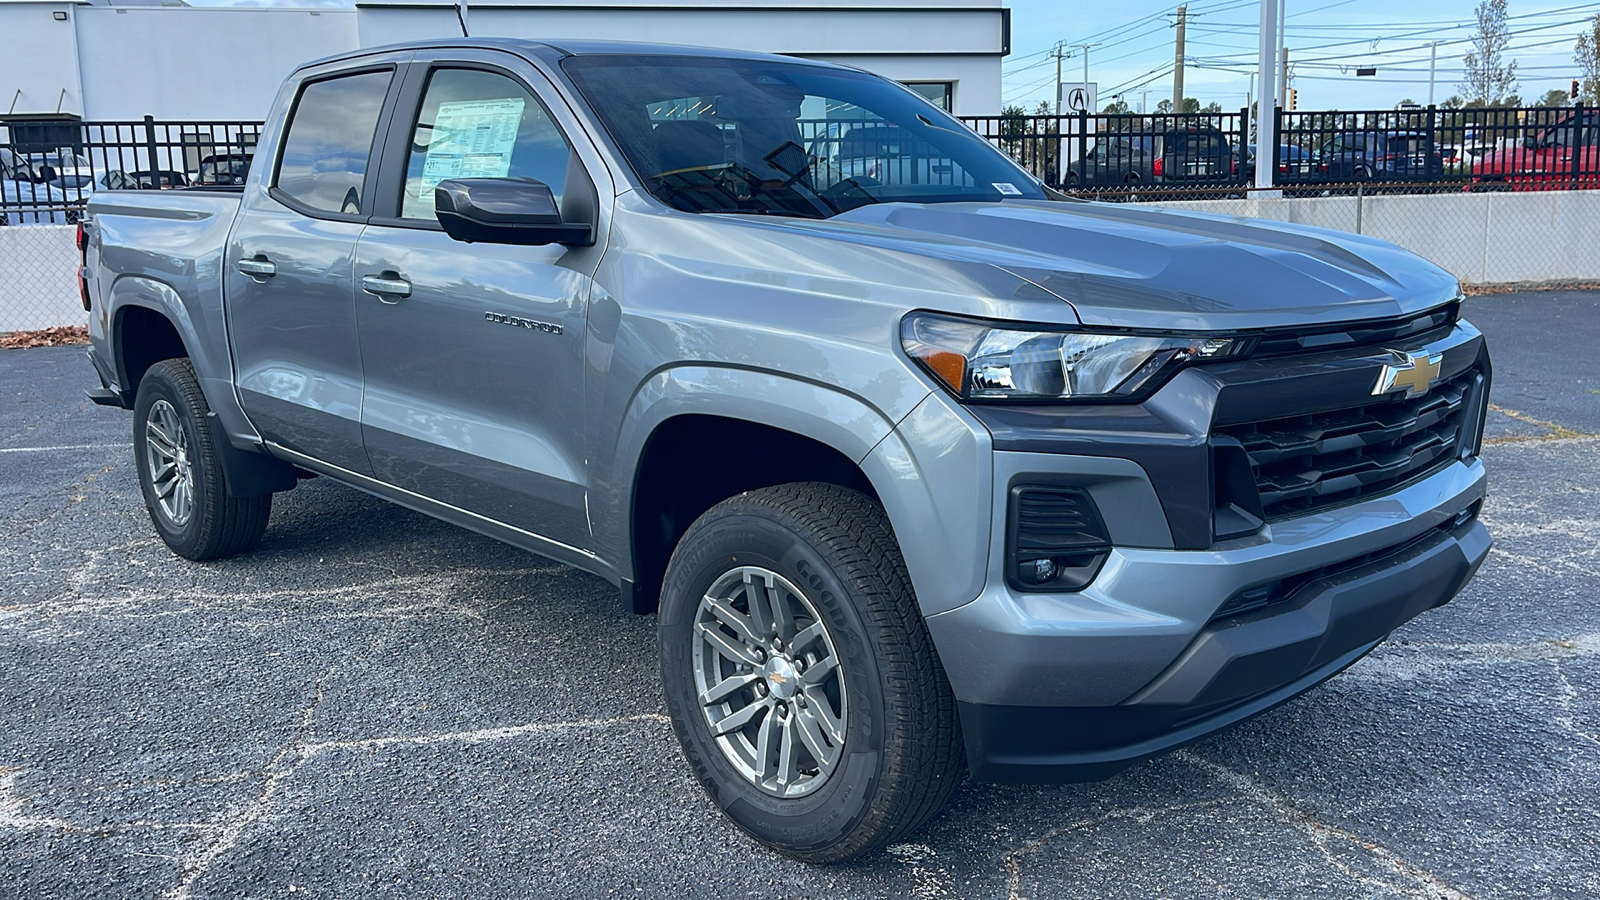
[
  {"x": 1414, "y": 329},
  {"x": 1310, "y": 462}
]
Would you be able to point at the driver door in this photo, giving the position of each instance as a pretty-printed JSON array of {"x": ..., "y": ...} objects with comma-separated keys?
[{"x": 473, "y": 353}]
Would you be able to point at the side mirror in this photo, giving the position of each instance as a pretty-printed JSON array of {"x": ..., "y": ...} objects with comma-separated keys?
[
  {"x": 1530, "y": 142},
  {"x": 505, "y": 211}
]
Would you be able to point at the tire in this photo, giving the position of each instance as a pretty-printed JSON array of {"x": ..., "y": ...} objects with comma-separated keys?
[
  {"x": 191, "y": 507},
  {"x": 831, "y": 557}
]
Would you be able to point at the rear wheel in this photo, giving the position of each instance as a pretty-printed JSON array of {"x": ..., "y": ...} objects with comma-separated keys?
[
  {"x": 178, "y": 457},
  {"x": 800, "y": 677}
]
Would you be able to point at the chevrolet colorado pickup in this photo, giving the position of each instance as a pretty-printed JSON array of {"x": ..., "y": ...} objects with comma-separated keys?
[{"x": 925, "y": 473}]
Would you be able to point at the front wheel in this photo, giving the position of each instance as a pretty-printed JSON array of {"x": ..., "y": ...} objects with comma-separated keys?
[
  {"x": 800, "y": 677},
  {"x": 176, "y": 451}
]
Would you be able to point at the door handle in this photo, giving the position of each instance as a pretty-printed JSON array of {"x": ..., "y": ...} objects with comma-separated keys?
[
  {"x": 384, "y": 287},
  {"x": 257, "y": 268}
]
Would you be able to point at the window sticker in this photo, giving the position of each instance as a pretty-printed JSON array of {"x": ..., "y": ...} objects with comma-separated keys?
[
  {"x": 1005, "y": 187},
  {"x": 471, "y": 139}
]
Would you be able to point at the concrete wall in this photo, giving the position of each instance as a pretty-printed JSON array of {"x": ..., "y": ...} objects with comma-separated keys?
[
  {"x": 199, "y": 63},
  {"x": 1480, "y": 238},
  {"x": 38, "y": 278},
  {"x": 39, "y": 59},
  {"x": 907, "y": 40}
]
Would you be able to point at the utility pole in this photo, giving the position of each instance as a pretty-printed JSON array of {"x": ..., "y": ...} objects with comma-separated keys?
[
  {"x": 1433, "y": 63},
  {"x": 1267, "y": 121},
  {"x": 1283, "y": 75},
  {"x": 1144, "y": 102},
  {"x": 1086, "y": 68},
  {"x": 1177, "y": 61},
  {"x": 1058, "y": 77}
]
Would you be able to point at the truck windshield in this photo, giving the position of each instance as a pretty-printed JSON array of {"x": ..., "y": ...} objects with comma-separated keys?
[{"x": 754, "y": 136}]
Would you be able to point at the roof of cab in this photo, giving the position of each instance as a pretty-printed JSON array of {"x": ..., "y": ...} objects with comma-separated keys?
[{"x": 554, "y": 50}]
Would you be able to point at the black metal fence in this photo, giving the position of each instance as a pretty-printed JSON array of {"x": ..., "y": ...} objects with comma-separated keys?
[
  {"x": 1414, "y": 150},
  {"x": 49, "y": 170}
]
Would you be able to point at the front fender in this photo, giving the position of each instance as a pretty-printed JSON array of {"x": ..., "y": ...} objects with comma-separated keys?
[{"x": 932, "y": 473}]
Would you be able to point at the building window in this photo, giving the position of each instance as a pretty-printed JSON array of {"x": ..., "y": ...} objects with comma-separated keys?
[{"x": 936, "y": 92}]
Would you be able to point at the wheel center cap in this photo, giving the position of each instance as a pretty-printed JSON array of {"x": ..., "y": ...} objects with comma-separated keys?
[{"x": 783, "y": 679}]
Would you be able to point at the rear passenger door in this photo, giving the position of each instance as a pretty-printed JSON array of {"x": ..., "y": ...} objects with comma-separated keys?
[
  {"x": 473, "y": 353},
  {"x": 288, "y": 277}
]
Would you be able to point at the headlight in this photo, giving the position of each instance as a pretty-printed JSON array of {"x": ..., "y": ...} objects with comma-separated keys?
[{"x": 978, "y": 361}]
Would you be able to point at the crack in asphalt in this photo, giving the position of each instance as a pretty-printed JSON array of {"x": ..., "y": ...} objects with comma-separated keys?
[
  {"x": 1141, "y": 815},
  {"x": 297, "y": 752},
  {"x": 279, "y": 768},
  {"x": 1422, "y": 883},
  {"x": 1557, "y": 431}
]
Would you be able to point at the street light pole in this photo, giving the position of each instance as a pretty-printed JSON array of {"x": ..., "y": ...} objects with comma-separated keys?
[
  {"x": 1283, "y": 70},
  {"x": 1266, "y": 121}
]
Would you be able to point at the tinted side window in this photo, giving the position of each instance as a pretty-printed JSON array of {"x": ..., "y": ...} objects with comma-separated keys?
[
  {"x": 329, "y": 137},
  {"x": 477, "y": 124}
]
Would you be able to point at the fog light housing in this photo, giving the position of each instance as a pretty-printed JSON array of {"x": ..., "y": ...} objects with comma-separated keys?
[{"x": 1056, "y": 539}]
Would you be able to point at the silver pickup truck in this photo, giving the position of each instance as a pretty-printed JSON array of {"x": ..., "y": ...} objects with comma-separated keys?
[{"x": 922, "y": 478}]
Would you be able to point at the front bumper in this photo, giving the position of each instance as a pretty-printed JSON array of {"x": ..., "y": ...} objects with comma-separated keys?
[
  {"x": 1235, "y": 669},
  {"x": 1072, "y": 686}
]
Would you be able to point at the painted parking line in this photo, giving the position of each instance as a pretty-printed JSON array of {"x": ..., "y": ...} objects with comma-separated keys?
[{"x": 62, "y": 448}]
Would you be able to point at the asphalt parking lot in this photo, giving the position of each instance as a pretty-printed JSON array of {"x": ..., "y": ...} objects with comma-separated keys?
[{"x": 378, "y": 704}]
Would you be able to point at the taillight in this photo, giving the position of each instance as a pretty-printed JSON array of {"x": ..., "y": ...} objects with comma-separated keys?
[
  {"x": 1159, "y": 167},
  {"x": 83, "y": 265}
]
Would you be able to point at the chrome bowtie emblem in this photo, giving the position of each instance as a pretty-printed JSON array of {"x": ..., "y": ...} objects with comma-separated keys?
[{"x": 1415, "y": 372}]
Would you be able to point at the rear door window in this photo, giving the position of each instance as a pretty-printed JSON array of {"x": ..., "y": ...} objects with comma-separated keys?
[{"x": 329, "y": 140}]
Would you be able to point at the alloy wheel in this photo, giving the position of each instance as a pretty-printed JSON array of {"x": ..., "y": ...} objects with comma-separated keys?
[
  {"x": 167, "y": 456},
  {"x": 769, "y": 682}
]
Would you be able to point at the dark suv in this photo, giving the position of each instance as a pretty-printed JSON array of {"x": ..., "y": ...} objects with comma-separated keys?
[
  {"x": 1378, "y": 156},
  {"x": 1197, "y": 155}
]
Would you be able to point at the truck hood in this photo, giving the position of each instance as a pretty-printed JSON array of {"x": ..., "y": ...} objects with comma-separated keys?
[{"x": 1152, "y": 268}]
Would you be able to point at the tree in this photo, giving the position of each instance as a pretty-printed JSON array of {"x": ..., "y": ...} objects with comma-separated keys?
[
  {"x": 1164, "y": 107},
  {"x": 1453, "y": 101},
  {"x": 1489, "y": 76},
  {"x": 1118, "y": 107},
  {"x": 1555, "y": 97},
  {"x": 1013, "y": 125},
  {"x": 1191, "y": 105},
  {"x": 1588, "y": 57}
]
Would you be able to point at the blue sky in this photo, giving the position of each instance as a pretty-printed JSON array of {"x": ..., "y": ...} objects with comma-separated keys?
[{"x": 1327, "y": 40}]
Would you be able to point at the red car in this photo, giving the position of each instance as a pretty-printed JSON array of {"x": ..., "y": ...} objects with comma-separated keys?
[{"x": 1564, "y": 156}]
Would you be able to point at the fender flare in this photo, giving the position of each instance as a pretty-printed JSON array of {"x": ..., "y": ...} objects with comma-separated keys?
[
  {"x": 248, "y": 472},
  {"x": 945, "y": 558}
]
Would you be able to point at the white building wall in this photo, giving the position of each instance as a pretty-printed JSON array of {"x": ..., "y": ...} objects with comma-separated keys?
[
  {"x": 199, "y": 63},
  {"x": 39, "y": 59},
  {"x": 907, "y": 40}
]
